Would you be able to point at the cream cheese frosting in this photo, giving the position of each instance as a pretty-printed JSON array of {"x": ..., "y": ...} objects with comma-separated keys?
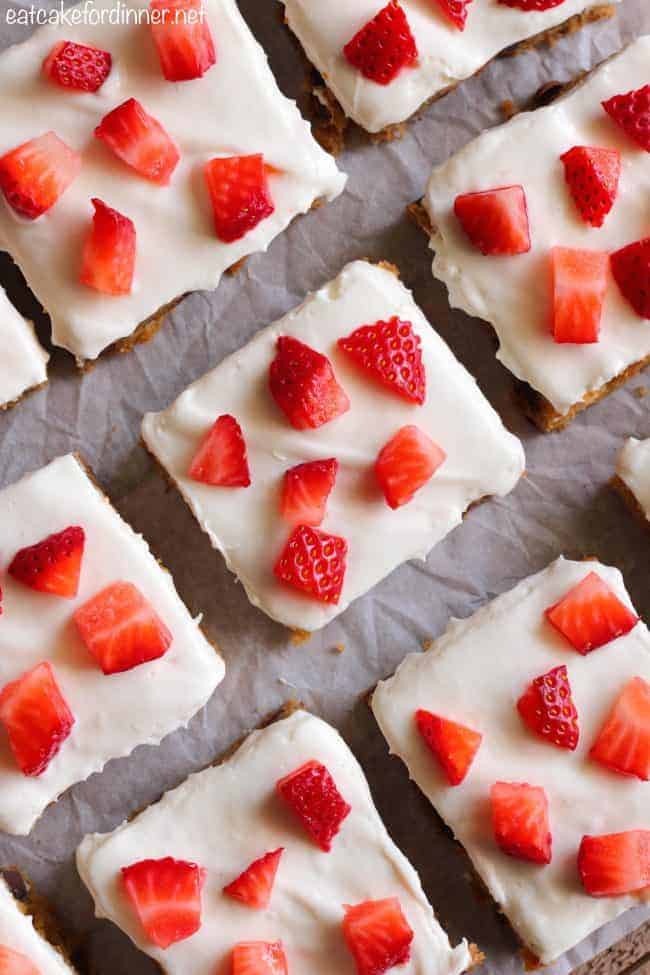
[
  {"x": 225, "y": 817},
  {"x": 633, "y": 468},
  {"x": 113, "y": 714},
  {"x": 17, "y": 932},
  {"x": 475, "y": 673},
  {"x": 23, "y": 363},
  {"x": 513, "y": 293},
  {"x": 235, "y": 109},
  {"x": 244, "y": 524}
]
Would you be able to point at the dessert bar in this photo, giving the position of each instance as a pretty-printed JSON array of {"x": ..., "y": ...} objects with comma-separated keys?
[
  {"x": 27, "y": 941},
  {"x": 23, "y": 364},
  {"x": 632, "y": 479}
]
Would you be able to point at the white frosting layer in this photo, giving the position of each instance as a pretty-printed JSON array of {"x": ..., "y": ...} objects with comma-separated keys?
[
  {"x": 633, "y": 468},
  {"x": 113, "y": 714},
  {"x": 475, "y": 674},
  {"x": 17, "y": 932},
  {"x": 236, "y": 108},
  {"x": 225, "y": 817},
  {"x": 446, "y": 55},
  {"x": 513, "y": 293},
  {"x": 245, "y": 525},
  {"x": 23, "y": 363}
]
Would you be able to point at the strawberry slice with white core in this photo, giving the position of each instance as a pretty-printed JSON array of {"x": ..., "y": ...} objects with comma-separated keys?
[
  {"x": 221, "y": 458},
  {"x": 578, "y": 286},
  {"x": 547, "y": 708},
  {"x": 77, "y": 66},
  {"x": 35, "y": 174},
  {"x": 592, "y": 175},
  {"x": 15, "y": 963},
  {"x": 616, "y": 864},
  {"x": 52, "y": 565},
  {"x": 121, "y": 629},
  {"x": 591, "y": 615},
  {"x": 259, "y": 958},
  {"x": 314, "y": 563},
  {"x": 239, "y": 193},
  {"x": 406, "y": 463},
  {"x": 37, "y": 718},
  {"x": 183, "y": 38},
  {"x": 312, "y": 794},
  {"x": 453, "y": 745},
  {"x": 254, "y": 886},
  {"x": 140, "y": 141},
  {"x": 632, "y": 113},
  {"x": 496, "y": 221},
  {"x": 166, "y": 896},
  {"x": 305, "y": 490},
  {"x": 384, "y": 46},
  {"x": 378, "y": 935},
  {"x": 520, "y": 821},
  {"x": 108, "y": 262},
  {"x": 389, "y": 352},
  {"x": 623, "y": 744},
  {"x": 303, "y": 384},
  {"x": 631, "y": 270},
  {"x": 455, "y": 11}
]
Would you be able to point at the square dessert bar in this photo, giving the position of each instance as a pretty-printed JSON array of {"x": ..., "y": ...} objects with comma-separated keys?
[
  {"x": 97, "y": 652},
  {"x": 194, "y": 155},
  {"x": 291, "y": 862},
  {"x": 341, "y": 441},
  {"x": 23, "y": 364},
  {"x": 632, "y": 479},
  {"x": 26, "y": 943},
  {"x": 540, "y": 228},
  {"x": 527, "y": 726}
]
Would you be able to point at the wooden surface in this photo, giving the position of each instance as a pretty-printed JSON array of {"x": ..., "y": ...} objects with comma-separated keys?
[{"x": 631, "y": 956}]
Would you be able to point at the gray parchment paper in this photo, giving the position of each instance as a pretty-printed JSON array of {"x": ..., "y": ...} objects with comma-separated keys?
[{"x": 563, "y": 506}]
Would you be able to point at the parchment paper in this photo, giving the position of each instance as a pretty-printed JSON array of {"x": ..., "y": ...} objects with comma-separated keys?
[{"x": 563, "y": 506}]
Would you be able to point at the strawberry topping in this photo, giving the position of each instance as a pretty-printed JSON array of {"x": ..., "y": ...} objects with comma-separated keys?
[
  {"x": 496, "y": 221},
  {"x": 631, "y": 270},
  {"x": 314, "y": 563},
  {"x": 239, "y": 194},
  {"x": 108, "y": 262},
  {"x": 77, "y": 66},
  {"x": 389, "y": 352},
  {"x": 453, "y": 745},
  {"x": 15, "y": 963},
  {"x": 591, "y": 615},
  {"x": 312, "y": 794},
  {"x": 140, "y": 141},
  {"x": 378, "y": 935},
  {"x": 182, "y": 36},
  {"x": 166, "y": 896},
  {"x": 35, "y": 174},
  {"x": 406, "y": 463},
  {"x": 304, "y": 386},
  {"x": 305, "y": 490},
  {"x": 36, "y": 717},
  {"x": 520, "y": 821},
  {"x": 532, "y": 5},
  {"x": 547, "y": 708},
  {"x": 259, "y": 958},
  {"x": 52, "y": 565},
  {"x": 592, "y": 175},
  {"x": 616, "y": 864},
  {"x": 455, "y": 11},
  {"x": 384, "y": 46},
  {"x": 632, "y": 112},
  {"x": 578, "y": 286},
  {"x": 623, "y": 744},
  {"x": 254, "y": 886},
  {"x": 221, "y": 458}
]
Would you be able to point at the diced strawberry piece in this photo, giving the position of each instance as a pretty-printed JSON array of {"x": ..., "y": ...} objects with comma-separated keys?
[
  {"x": 455, "y": 11},
  {"x": 520, "y": 821},
  {"x": 592, "y": 175},
  {"x": 140, "y": 141},
  {"x": 615, "y": 864},
  {"x": 14, "y": 963},
  {"x": 36, "y": 717},
  {"x": 591, "y": 615},
  {"x": 121, "y": 629},
  {"x": 221, "y": 459},
  {"x": 166, "y": 896},
  {"x": 312, "y": 794},
  {"x": 384, "y": 46},
  {"x": 496, "y": 221},
  {"x": 183, "y": 38},
  {"x": 406, "y": 463},
  {"x": 254, "y": 886},
  {"x": 239, "y": 194},
  {"x": 305, "y": 490},
  {"x": 532, "y": 5},
  {"x": 453, "y": 745},
  {"x": 632, "y": 112},
  {"x": 314, "y": 563},
  {"x": 108, "y": 262},
  {"x": 52, "y": 565},
  {"x": 631, "y": 270},
  {"x": 304, "y": 386},
  {"x": 259, "y": 958},
  {"x": 547, "y": 708},
  {"x": 77, "y": 66},
  {"x": 378, "y": 935},
  {"x": 390, "y": 353},
  {"x": 35, "y": 174},
  {"x": 624, "y": 740},
  {"x": 578, "y": 286}
]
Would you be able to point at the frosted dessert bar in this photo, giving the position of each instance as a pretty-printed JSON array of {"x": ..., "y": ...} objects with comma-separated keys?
[
  {"x": 24, "y": 944},
  {"x": 632, "y": 479},
  {"x": 23, "y": 364}
]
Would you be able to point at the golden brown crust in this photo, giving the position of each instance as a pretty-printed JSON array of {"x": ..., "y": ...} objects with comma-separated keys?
[
  {"x": 37, "y": 908},
  {"x": 19, "y": 399},
  {"x": 630, "y": 499}
]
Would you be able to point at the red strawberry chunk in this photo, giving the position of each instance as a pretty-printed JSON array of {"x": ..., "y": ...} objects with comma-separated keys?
[
  {"x": 121, "y": 629},
  {"x": 631, "y": 270},
  {"x": 312, "y": 794},
  {"x": 591, "y": 615},
  {"x": 35, "y": 174},
  {"x": 632, "y": 112},
  {"x": 221, "y": 459},
  {"x": 259, "y": 958},
  {"x": 615, "y": 864},
  {"x": 52, "y": 565},
  {"x": 77, "y": 66},
  {"x": 37, "y": 718},
  {"x": 166, "y": 896},
  {"x": 254, "y": 886},
  {"x": 455, "y": 11},
  {"x": 532, "y": 5},
  {"x": 385, "y": 46},
  {"x": 406, "y": 463},
  {"x": 378, "y": 935},
  {"x": 453, "y": 745},
  {"x": 15, "y": 963},
  {"x": 140, "y": 141},
  {"x": 108, "y": 262},
  {"x": 239, "y": 194},
  {"x": 624, "y": 740},
  {"x": 389, "y": 352},
  {"x": 520, "y": 821},
  {"x": 314, "y": 563},
  {"x": 578, "y": 286},
  {"x": 547, "y": 708},
  {"x": 303, "y": 384},
  {"x": 496, "y": 221},
  {"x": 305, "y": 490},
  {"x": 592, "y": 175},
  {"x": 183, "y": 38}
]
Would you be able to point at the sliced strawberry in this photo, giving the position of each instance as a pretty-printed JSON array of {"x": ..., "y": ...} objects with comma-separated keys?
[
  {"x": 259, "y": 958},
  {"x": 14, "y": 963},
  {"x": 390, "y": 353},
  {"x": 624, "y": 740},
  {"x": 183, "y": 38},
  {"x": 304, "y": 386},
  {"x": 591, "y": 615},
  {"x": 77, "y": 66},
  {"x": 378, "y": 935},
  {"x": 166, "y": 896},
  {"x": 108, "y": 262},
  {"x": 314, "y": 563},
  {"x": 35, "y": 174},
  {"x": 36, "y": 717},
  {"x": 632, "y": 112},
  {"x": 547, "y": 708},
  {"x": 520, "y": 821},
  {"x": 453, "y": 745},
  {"x": 615, "y": 864},
  {"x": 592, "y": 175},
  {"x": 140, "y": 141},
  {"x": 121, "y": 629},
  {"x": 384, "y": 46},
  {"x": 496, "y": 221},
  {"x": 254, "y": 886},
  {"x": 305, "y": 490},
  {"x": 221, "y": 458},
  {"x": 312, "y": 794},
  {"x": 631, "y": 270},
  {"x": 52, "y": 565},
  {"x": 455, "y": 11},
  {"x": 239, "y": 194},
  {"x": 532, "y": 5},
  {"x": 578, "y": 286},
  {"x": 406, "y": 463}
]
